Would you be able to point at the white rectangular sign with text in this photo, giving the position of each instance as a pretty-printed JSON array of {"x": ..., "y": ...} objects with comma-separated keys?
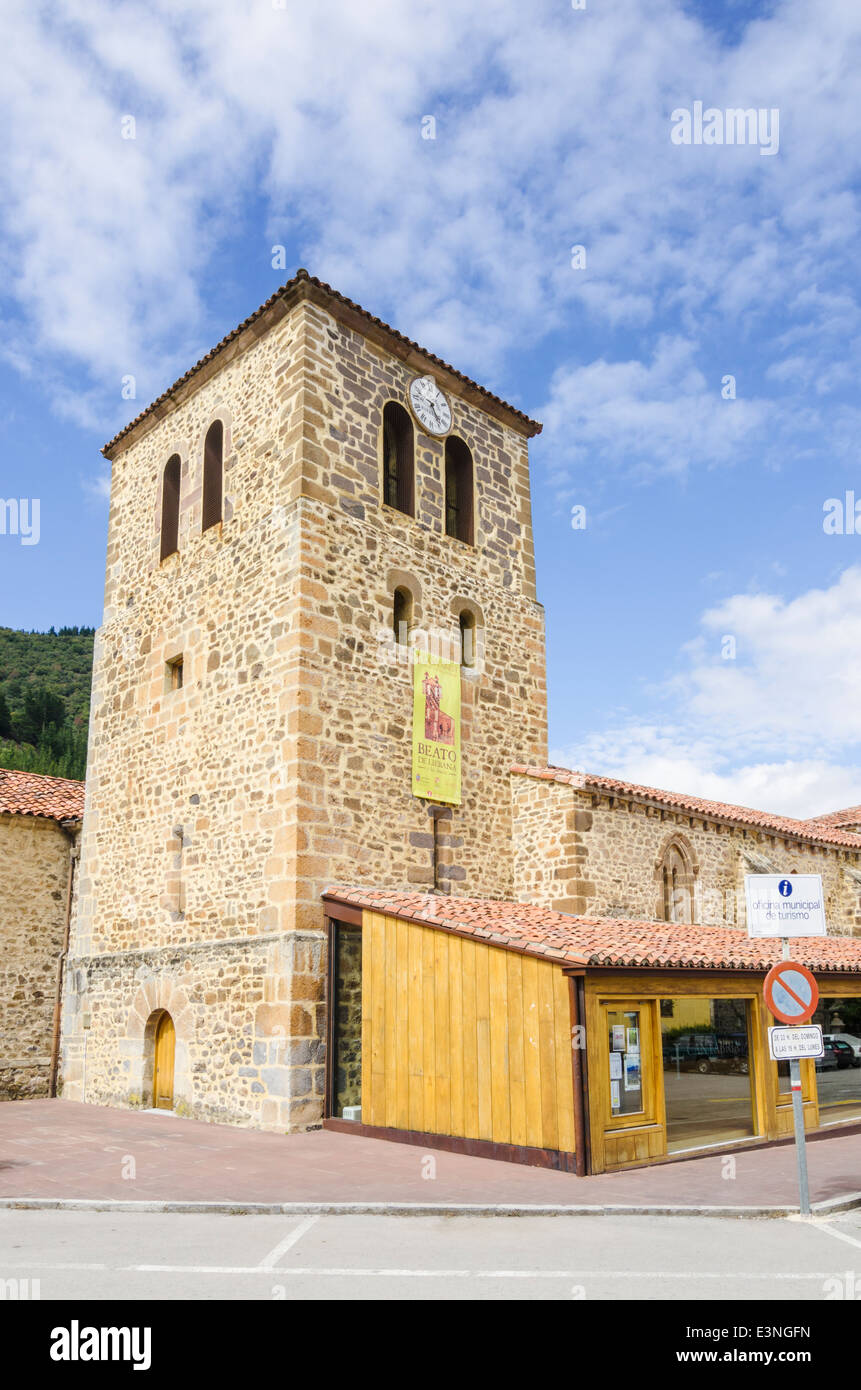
[
  {"x": 784, "y": 905},
  {"x": 791, "y": 1044}
]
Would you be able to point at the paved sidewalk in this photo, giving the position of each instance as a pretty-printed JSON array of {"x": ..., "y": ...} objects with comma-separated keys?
[{"x": 54, "y": 1150}]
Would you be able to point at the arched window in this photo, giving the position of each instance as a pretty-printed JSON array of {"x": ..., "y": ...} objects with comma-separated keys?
[
  {"x": 467, "y": 638},
  {"x": 398, "y": 459},
  {"x": 677, "y": 884},
  {"x": 170, "y": 507},
  {"x": 213, "y": 451},
  {"x": 458, "y": 490},
  {"x": 402, "y": 614}
]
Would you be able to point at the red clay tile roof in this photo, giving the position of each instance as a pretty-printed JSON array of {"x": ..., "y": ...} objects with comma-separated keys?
[
  {"x": 601, "y": 941},
  {"x": 305, "y": 286},
  {"x": 30, "y": 794},
  {"x": 851, "y": 816},
  {"x": 813, "y": 830}
]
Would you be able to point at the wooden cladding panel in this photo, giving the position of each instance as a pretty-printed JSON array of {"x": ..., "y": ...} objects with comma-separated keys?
[
  {"x": 633, "y": 1146},
  {"x": 463, "y": 1039}
]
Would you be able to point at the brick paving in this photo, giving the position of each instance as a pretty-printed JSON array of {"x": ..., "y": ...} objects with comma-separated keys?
[{"x": 68, "y": 1150}]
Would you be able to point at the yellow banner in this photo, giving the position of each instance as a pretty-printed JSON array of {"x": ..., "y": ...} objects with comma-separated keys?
[{"x": 436, "y": 729}]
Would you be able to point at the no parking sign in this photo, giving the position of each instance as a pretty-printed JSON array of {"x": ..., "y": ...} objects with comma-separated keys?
[
  {"x": 791, "y": 992},
  {"x": 787, "y": 905}
]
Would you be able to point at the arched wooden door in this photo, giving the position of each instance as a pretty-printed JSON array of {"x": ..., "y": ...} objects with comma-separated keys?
[{"x": 165, "y": 1047}]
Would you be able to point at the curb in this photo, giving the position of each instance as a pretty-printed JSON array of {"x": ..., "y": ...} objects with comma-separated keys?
[{"x": 359, "y": 1208}]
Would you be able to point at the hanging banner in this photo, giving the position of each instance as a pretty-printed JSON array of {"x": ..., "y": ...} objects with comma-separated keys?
[{"x": 436, "y": 729}]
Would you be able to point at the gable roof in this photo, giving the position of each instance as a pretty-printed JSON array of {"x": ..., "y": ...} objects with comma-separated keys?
[
  {"x": 818, "y": 831},
  {"x": 600, "y": 942},
  {"x": 305, "y": 286},
  {"x": 851, "y": 816},
  {"x": 31, "y": 794}
]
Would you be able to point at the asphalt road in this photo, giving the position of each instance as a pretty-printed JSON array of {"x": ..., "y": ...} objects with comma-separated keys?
[{"x": 78, "y": 1255}]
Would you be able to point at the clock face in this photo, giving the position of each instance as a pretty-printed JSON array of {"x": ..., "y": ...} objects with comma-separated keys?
[{"x": 430, "y": 405}]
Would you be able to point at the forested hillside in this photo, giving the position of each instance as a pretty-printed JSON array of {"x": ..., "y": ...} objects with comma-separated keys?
[{"x": 45, "y": 699}]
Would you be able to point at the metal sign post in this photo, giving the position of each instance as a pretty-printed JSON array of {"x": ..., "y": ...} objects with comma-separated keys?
[
  {"x": 798, "y": 1121},
  {"x": 789, "y": 905},
  {"x": 791, "y": 993}
]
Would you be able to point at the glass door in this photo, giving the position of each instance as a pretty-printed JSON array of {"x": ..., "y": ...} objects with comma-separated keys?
[{"x": 629, "y": 1082}]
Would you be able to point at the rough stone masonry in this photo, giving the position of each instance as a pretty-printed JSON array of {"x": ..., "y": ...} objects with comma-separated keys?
[{"x": 217, "y": 812}]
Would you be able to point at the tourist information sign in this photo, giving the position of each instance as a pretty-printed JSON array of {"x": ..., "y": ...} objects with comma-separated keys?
[{"x": 784, "y": 905}]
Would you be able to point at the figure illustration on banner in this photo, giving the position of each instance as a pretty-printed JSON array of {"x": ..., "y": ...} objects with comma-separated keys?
[{"x": 439, "y": 727}]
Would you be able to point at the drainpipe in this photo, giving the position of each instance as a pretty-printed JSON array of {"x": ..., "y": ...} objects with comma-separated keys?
[
  {"x": 437, "y": 813},
  {"x": 61, "y": 962},
  {"x": 578, "y": 1068}
]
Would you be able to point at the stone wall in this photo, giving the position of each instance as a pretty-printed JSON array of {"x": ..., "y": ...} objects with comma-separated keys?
[
  {"x": 247, "y": 1049},
  {"x": 216, "y": 814},
  {"x": 348, "y": 1022},
  {"x": 34, "y": 872},
  {"x": 357, "y": 820},
  {"x": 600, "y": 855}
]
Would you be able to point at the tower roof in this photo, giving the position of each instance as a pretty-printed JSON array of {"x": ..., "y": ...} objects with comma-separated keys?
[{"x": 307, "y": 287}]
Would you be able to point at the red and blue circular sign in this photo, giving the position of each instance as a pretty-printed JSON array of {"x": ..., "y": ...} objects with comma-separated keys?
[{"x": 791, "y": 992}]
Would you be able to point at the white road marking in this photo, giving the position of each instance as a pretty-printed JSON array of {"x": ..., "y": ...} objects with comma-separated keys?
[
  {"x": 288, "y": 1242},
  {"x": 349, "y": 1272},
  {"x": 68, "y": 1265},
  {"x": 839, "y": 1235}
]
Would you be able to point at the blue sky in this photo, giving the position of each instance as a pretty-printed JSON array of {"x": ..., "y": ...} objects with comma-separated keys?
[{"x": 258, "y": 126}]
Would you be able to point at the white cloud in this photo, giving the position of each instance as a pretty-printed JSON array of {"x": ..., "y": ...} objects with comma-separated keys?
[
  {"x": 553, "y": 129},
  {"x": 776, "y": 728},
  {"x": 669, "y": 759},
  {"x": 661, "y": 416}
]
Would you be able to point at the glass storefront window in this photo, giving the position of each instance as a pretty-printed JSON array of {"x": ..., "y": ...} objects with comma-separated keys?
[
  {"x": 626, "y": 1073},
  {"x": 838, "y": 1073},
  {"x": 707, "y": 1081}
]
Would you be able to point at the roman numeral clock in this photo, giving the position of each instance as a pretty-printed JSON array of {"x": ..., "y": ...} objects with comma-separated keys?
[{"x": 430, "y": 405}]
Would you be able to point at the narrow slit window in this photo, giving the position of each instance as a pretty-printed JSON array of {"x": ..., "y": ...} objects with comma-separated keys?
[
  {"x": 402, "y": 612},
  {"x": 175, "y": 673},
  {"x": 213, "y": 475},
  {"x": 170, "y": 507},
  {"x": 458, "y": 490},
  {"x": 467, "y": 639},
  {"x": 398, "y": 459}
]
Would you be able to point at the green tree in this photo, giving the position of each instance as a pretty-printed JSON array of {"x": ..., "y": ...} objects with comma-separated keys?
[
  {"x": 5, "y": 718},
  {"x": 43, "y": 713}
]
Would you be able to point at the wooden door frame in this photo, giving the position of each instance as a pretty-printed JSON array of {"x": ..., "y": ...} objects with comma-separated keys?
[{"x": 345, "y": 917}]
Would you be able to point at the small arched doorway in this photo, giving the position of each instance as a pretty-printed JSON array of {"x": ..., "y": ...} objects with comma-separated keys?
[{"x": 164, "y": 1050}]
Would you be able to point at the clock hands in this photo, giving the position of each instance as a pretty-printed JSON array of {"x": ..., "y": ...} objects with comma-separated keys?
[{"x": 430, "y": 405}]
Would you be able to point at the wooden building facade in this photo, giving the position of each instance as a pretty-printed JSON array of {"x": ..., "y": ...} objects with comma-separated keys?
[{"x": 518, "y": 1032}]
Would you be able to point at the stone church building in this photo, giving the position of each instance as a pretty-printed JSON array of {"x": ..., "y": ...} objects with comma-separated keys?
[
  {"x": 40, "y": 826},
  {"x": 271, "y": 928}
]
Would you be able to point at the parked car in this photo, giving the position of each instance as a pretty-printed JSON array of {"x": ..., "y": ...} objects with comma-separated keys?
[
  {"x": 845, "y": 1056},
  {"x": 828, "y": 1061},
  {"x": 705, "y": 1052},
  {"x": 850, "y": 1038}
]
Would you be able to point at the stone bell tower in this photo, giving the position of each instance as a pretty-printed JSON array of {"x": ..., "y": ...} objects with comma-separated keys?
[{"x": 286, "y": 522}]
